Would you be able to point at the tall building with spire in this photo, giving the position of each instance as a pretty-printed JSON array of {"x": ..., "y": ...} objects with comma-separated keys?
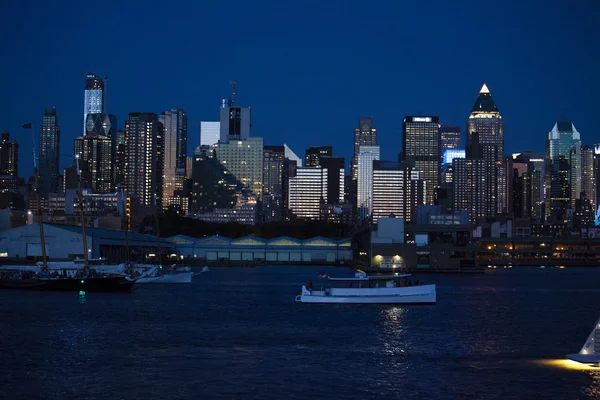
[
  {"x": 49, "y": 153},
  {"x": 364, "y": 135},
  {"x": 175, "y": 152},
  {"x": 94, "y": 97},
  {"x": 486, "y": 121}
]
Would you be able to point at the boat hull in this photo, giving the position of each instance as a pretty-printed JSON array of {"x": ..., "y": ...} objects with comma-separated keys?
[
  {"x": 585, "y": 358},
  {"x": 182, "y": 277},
  {"x": 424, "y": 294},
  {"x": 112, "y": 284}
]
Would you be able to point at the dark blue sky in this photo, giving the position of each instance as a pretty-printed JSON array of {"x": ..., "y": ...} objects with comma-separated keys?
[{"x": 308, "y": 69}]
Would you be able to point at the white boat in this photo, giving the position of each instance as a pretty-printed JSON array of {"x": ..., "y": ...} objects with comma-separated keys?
[
  {"x": 147, "y": 273},
  {"x": 590, "y": 352},
  {"x": 373, "y": 289}
]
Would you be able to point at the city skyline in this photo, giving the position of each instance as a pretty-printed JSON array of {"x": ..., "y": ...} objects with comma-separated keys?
[{"x": 529, "y": 79}]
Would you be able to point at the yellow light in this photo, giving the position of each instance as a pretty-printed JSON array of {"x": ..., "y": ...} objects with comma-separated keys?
[{"x": 567, "y": 364}]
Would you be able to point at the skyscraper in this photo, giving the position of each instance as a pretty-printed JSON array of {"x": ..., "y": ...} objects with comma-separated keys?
[
  {"x": 485, "y": 120},
  {"x": 562, "y": 141},
  {"x": 9, "y": 156},
  {"x": 144, "y": 158},
  {"x": 96, "y": 150},
  {"x": 395, "y": 192},
  {"x": 314, "y": 154},
  {"x": 588, "y": 175},
  {"x": 210, "y": 133},
  {"x": 272, "y": 198},
  {"x": 364, "y": 135},
  {"x": 449, "y": 138},
  {"x": 420, "y": 146},
  {"x": 119, "y": 169},
  {"x": 335, "y": 178},
  {"x": 49, "y": 152},
  {"x": 235, "y": 123},
  {"x": 364, "y": 192},
  {"x": 244, "y": 160},
  {"x": 307, "y": 192},
  {"x": 94, "y": 97},
  {"x": 175, "y": 152}
]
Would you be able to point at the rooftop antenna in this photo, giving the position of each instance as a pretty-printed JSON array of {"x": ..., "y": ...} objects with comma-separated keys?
[{"x": 233, "y": 84}]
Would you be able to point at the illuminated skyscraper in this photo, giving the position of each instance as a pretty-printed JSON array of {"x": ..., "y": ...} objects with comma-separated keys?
[
  {"x": 420, "y": 146},
  {"x": 364, "y": 192},
  {"x": 94, "y": 97},
  {"x": 364, "y": 135},
  {"x": 314, "y": 154},
  {"x": 144, "y": 158},
  {"x": 96, "y": 149},
  {"x": 449, "y": 138},
  {"x": 175, "y": 152},
  {"x": 272, "y": 198},
  {"x": 563, "y": 141},
  {"x": 588, "y": 175},
  {"x": 307, "y": 192},
  {"x": 485, "y": 120},
  {"x": 9, "y": 156},
  {"x": 244, "y": 160},
  {"x": 49, "y": 152}
]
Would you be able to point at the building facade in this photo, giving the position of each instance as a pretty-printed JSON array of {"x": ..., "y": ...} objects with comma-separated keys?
[
  {"x": 235, "y": 123},
  {"x": 364, "y": 191},
  {"x": 364, "y": 135},
  {"x": 486, "y": 121},
  {"x": 314, "y": 154},
  {"x": 144, "y": 158},
  {"x": 449, "y": 138},
  {"x": 210, "y": 133},
  {"x": 307, "y": 192},
  {"x": 395, "y": 193},
  {"x": 49, "y": 153},
  {"x": 420, "y": 146},
  {"x": 174, "y": 153},
  {"x": 244, "y": 160},
  {"x": 272, "y": 197},
  {"x": 9, "y": 156},
  {"x": 94, "y": 98}
]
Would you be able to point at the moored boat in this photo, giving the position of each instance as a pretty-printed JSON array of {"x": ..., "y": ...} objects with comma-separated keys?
[
  {"x": 370, "y": 289},
  {"x": 145, "y": 273},
  {"x": 590, "y": 352},
  {"x": 93, "y": 282}
]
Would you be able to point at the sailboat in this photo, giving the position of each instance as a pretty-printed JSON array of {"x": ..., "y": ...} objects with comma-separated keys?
[
  {"x": 590, "y": 352},
  {"x": 156, "y": 273},
  {"x": 60, "y": 279}
]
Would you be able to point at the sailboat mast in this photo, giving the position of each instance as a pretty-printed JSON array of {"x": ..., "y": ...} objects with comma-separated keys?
[
  {"x": 84, "y": 237},
  {"x": 157, "y": 233},
  {"x": 126, "y": 227},
  {"x": 39, "y": 202}
]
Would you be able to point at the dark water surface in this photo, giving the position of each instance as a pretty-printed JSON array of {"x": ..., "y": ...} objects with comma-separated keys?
[{"x": 237, "y": 334}]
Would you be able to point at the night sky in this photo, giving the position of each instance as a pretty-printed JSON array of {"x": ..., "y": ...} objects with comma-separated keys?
[{"x": 308, "y": 69}]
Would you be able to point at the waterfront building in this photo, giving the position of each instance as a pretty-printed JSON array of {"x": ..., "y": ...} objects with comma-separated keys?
[
  {"x": 364, "y": 191},
  {"x": 93, "y": 99},
  {"x": 9, "y": 156},
  {"x": 175, "y": 152},
  {"x": 364, "y": 135},
  {"x": 144, "y": 157},
  {"x": 314, "y": 154},
  {"x": 420, "y": 146},
  {"x": 486, "y": 121},
  {"x": 49, "y": 153}
]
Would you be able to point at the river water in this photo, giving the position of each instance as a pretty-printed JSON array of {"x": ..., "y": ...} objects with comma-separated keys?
[{"x": 236, "y": 333}]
